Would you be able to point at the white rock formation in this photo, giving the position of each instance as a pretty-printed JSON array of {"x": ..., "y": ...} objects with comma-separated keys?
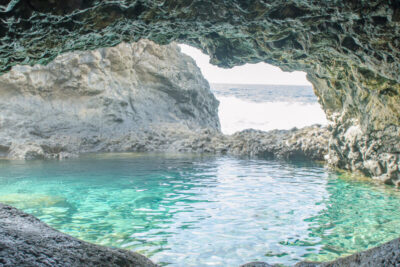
[{"x": 94, "y": 100}]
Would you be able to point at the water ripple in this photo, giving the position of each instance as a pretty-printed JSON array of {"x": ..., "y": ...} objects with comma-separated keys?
[{"x": 188, "y": 210}]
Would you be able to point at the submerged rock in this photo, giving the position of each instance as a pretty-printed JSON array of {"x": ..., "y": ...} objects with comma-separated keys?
[
  {"x": 24, "y": 200},
  {"x": 26, "y": 241}
]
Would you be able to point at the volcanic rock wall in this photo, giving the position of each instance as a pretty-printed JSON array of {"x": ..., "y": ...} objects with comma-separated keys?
[
  {"x": 90, "y": 101},
  {"x": 350, "y": 50}
]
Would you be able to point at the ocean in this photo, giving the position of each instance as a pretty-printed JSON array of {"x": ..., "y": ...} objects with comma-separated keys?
[{"x": 266, "y": 107}]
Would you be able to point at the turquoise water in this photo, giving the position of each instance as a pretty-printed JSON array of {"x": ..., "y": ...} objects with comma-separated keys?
[{"x": 187, "y": 210}]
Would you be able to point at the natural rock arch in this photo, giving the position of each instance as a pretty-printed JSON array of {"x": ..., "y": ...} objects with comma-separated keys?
[{"x": 350, "y": 50}]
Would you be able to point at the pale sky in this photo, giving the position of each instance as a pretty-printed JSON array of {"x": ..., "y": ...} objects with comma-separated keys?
[{"x": 260, "y": 73}]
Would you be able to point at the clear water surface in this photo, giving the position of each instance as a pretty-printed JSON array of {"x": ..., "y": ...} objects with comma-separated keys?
[{"x": 188, "y": 210}]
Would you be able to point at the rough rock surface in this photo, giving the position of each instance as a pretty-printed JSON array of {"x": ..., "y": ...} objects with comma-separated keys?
[
  {"x": 26, "y": 241},
  {"x": 132, "y": 97},
  {"x": 350, "y": 50},
  {"x": 385, "y": 255},
  {"x": 84, "y": 102},
  {"x": 306, "y": 143}
]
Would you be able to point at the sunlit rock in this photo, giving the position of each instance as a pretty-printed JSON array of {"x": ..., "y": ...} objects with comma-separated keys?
[{"x": 103, "y": 100}]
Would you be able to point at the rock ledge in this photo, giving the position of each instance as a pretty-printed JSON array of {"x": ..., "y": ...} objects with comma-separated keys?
[{"x": 26, "y": 241}]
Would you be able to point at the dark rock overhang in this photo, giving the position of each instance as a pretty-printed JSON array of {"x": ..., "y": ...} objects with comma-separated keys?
[{"x": 291, "y": 34}]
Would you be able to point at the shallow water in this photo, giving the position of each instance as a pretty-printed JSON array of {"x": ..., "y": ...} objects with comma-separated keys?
[{"x": 188, "y": 210}]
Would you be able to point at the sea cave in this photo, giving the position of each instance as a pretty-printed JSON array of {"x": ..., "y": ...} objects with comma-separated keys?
[{"x": 93, "y": 93}]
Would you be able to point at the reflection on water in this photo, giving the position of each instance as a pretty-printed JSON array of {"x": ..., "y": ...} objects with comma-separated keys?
[{"x": 187, "y": 210}]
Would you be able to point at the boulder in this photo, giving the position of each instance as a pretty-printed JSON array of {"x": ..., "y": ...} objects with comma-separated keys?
[{"x": 26, "y": 241}]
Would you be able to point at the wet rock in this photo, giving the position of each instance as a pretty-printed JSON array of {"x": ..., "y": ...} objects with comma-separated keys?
[{"x": 26, "y": 241}]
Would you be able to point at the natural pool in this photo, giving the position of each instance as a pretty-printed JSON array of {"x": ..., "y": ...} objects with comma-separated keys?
[{"x": 188, "y": 210}]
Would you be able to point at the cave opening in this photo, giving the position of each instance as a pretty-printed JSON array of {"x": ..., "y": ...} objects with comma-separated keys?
[
  {"x": 259, "y": 96},
  {"x": 350, "y": 51},
  {"x": 152, "y": 102}
]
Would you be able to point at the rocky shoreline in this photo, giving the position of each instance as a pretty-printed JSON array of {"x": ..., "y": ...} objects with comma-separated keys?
[
  {"x": 308, "y": 143},
  {"x": 349, "y": 49},
  {"x": 131, "y": 97},
  {"x": 147, "y": 97}
]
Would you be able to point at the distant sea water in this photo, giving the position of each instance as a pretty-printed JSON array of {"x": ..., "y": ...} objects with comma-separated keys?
[{"x": 266, "y": 107}]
